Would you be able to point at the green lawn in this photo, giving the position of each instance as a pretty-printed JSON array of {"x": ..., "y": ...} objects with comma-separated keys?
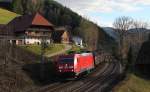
[
  {"x": 6, "y": 16},
  {"x": 73, "y": 49},
  {"x": 134, "y": 84},
  {"x": 50, "y": 49}
]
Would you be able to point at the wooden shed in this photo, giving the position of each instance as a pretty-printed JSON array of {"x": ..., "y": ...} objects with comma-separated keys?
[{"x": 61, "y": 35}]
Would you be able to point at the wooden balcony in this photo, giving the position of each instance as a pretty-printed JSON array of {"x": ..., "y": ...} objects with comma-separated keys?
[{"x": 38, "y": 34}]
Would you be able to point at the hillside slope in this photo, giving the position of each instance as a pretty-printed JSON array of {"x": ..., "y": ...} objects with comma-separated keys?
[
  {"x": 6, "y": 16},
  {"x": 111, "y": 32},
  {"x": 143, "y": 59},
  {"x": 62, "y": 16},
  {"x": 12, "y": 60},
  {"x": 133, "y": 83}
]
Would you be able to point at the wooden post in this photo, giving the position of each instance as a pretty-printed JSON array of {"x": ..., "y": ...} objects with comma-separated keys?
[{"x": 42, "y": 58}]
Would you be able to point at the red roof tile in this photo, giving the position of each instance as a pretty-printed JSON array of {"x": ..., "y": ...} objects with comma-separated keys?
[
  {"x": 21, "y": 23},
  {"x": 40, "y": 20}
]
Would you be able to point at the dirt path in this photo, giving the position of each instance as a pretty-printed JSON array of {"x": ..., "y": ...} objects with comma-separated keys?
[{"x": 67, "y": 47}]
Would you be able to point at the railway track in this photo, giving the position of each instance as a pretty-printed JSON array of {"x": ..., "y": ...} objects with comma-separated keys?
[
  {"x": 68, "y": 86},
  {"x": 53, "y": 87},
  {"x": 84, "y": 82},
  {"x": 97, "y": 81},
  {"x": 104, "y": 83}
]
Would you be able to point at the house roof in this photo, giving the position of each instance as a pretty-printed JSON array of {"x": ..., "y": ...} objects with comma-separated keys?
[
  {"x": 21, "y": 23},
  {"x": 59, "y": 33},
  {"x": 1, "y": 26},
  {"x": 40, "y": 20},
  {"x": 56, "y": 35}
]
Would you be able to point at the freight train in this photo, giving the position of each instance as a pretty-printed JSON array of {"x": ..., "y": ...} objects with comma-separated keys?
[{"x": 75, "y": 64}]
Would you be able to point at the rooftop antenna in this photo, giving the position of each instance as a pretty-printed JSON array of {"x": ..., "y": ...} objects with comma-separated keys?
[{"x": 67, "y": 3}]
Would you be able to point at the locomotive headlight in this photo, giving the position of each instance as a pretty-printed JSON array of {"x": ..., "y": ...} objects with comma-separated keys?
[
  {"x": 71, "y": 67},
  {"x": 72, "y": 70},
  {"x": 60, "y": 67}
]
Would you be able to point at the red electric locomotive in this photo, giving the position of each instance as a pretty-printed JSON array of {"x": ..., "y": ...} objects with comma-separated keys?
[{"x": 75, "y": 64}]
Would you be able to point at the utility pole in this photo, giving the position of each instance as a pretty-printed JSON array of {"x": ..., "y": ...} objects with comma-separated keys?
[{"x": 43, "y": 47}]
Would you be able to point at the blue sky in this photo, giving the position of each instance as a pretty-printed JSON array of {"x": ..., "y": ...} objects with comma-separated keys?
[{"x": 104, "y": 12}]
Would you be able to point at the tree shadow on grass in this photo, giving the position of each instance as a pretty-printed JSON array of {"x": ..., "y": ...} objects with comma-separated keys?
[
  {"x": 43, "y": 76},
  {"x": 142, "y": 71},
  {"x": 142, "y": 64}
]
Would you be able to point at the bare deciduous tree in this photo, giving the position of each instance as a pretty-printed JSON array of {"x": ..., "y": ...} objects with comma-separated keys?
[
  {"x": 140, "y": 27},
  {"x": 139, "y": 24},
  {"x": 122, "y": 25}
]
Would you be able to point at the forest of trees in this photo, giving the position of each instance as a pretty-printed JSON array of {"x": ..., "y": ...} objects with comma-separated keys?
[{"x": 133, "y": 44}]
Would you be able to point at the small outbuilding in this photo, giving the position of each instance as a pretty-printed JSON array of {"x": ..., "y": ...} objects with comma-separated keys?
[{"x": 61, "y": 35}]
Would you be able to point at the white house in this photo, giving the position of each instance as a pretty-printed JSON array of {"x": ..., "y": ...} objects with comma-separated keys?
[
  {"x": 78, "y": 41},
  {"x": 31, "y": 29}
]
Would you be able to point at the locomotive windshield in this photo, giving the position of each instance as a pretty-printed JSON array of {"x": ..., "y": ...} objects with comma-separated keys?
[{"x": 67, "y": 60}]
